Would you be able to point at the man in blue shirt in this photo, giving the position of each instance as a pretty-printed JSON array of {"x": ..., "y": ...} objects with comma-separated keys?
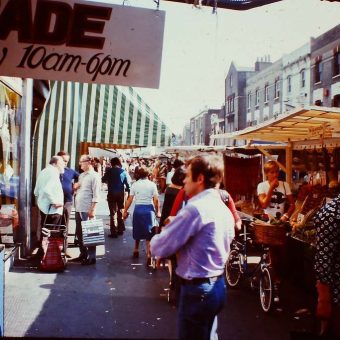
[
  {"x": 68, "y": 178},
  {"x": 200, "y": 236},
  {"x": 117, "y": 182}
]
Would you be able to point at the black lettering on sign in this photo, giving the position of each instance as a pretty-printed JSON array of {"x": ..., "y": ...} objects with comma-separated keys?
[
  {"x": 55, "y": 23},
  {"x": 46, "y": 10},
  {"x": 16, "y": 18},
  {"x": 98, "y": 64},
  {"x": 70, "y": 59},
  {"x": 120, "y": 63},
  {"x": 83, "y": 22}
]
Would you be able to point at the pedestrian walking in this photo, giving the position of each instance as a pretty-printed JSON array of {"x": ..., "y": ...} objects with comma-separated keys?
[
  {"x": 146, "y": 209},
  {"x": 173, "y": 167},
  {"x": 161, "y": 176},
  {"x": 117, "y": 182},
  {"x": 49, "y": 194},
  {"x": 87, "y": 195},
  {"x": 200, "y": 236}
]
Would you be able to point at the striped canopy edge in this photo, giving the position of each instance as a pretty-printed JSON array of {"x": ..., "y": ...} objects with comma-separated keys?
[{"x": 94, "y": 113}]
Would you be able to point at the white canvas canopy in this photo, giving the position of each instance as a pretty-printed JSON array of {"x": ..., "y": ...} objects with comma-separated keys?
[{"x": 105, "y": 116}]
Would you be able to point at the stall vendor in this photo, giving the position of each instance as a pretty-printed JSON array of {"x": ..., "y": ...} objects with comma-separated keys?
[{"x": 275, "y": 195}]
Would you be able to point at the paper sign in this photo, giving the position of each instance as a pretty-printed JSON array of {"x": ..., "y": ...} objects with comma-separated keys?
[{"x": 83, "y": 41}]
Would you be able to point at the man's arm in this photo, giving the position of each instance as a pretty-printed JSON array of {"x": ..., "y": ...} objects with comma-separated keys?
[
  {"x": 265, "y": 197},
  {"x": 176, "y": 233},
  {"x": 95, "y": 195},
  {"x": 75, "y": 176},
  {"x": 127, "y": 206},
  {"x": 126, "y": 183}
]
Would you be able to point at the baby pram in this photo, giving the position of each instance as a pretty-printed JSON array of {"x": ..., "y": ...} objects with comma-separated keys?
[{"x": 54, "y": 247}]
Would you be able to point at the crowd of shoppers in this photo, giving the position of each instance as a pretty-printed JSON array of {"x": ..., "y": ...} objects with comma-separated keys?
[{"x": 197, "y": 223}]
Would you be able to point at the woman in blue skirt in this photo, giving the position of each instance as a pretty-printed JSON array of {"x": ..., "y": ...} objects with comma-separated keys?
[{"x": 146, "y": 210}]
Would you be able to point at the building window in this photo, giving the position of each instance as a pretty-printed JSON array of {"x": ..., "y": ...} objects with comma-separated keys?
[
  {"x": 266, "y": 93},
  {"x": 289, "y": 84},
  {"x": 249, "y": 100},
  {"x": 257, "y": 97},
  {"x": 317, "y": 71},
  {"x": 277, "y": 89},
  {"x": 230, "y": 104},
  {"x": 231, "y": 80},
  {"x": 303, "y": 78},
  {"x": 336, "y": 64}
]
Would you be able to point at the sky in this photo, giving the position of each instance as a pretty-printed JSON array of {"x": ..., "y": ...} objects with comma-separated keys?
[{"x": 199, "y": 46}]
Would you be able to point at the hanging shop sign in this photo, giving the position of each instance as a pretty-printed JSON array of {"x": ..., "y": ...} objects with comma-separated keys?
[
  {"x": 81, "y": 41},
  {"x": 321, "y": 131}
]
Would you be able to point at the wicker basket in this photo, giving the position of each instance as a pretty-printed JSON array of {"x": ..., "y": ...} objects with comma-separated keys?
[{"x": 270, "y": 235}]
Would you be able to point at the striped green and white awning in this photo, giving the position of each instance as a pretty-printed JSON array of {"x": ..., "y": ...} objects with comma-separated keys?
[{"x": 94, "y": 113}]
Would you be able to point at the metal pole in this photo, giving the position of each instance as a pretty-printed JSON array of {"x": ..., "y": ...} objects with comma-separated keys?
[
  {"x": 289, "y": 161},
  {"x": 25, "y": 166}
]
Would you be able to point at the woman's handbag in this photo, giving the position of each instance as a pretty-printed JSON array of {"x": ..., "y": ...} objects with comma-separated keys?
[{"x": 93, "y": 232}]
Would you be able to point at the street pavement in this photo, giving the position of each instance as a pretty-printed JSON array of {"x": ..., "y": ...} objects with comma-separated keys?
[{"x": 119, "y": 298}]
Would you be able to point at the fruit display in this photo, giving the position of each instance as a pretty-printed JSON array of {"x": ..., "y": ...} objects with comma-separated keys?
[{"x": 306, "y": 234}]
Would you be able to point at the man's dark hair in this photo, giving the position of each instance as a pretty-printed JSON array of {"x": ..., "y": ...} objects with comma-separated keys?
[
  {"x": 63, "y": 153},
  {"x": 142, "y": 172},
  {"x": 178, "y": 177},
  {"x": 211, "y": 167},
  {"x": 177, "y": 163},
  {"x": 116, "y": 162}
]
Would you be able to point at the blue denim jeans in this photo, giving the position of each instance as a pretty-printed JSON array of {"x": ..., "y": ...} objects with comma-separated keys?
[
  {"x": 199, "y": 305},
  {"x": 85, "y": 252}
]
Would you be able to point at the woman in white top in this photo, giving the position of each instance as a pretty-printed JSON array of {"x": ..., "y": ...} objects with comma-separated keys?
[
  {"x": 146, "y": 208},
  {"x": 273, "y": 196}
]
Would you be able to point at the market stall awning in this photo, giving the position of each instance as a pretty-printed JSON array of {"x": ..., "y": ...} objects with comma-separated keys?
[
  {"x": 249, "y": 149},
  {"x": 109, "y": 115},
  {"x": 302, "y": 124}
]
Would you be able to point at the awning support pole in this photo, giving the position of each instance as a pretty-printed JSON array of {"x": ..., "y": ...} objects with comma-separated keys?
[{"x": 289, "y": 161}]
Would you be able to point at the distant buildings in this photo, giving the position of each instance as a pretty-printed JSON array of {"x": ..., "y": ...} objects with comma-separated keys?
[
  {"x": 325, "y": 68},
  {"x": 307, "y": 75}
]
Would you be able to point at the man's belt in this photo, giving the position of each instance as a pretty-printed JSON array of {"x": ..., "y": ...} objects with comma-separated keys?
[{"x": 199, "y": 280}]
